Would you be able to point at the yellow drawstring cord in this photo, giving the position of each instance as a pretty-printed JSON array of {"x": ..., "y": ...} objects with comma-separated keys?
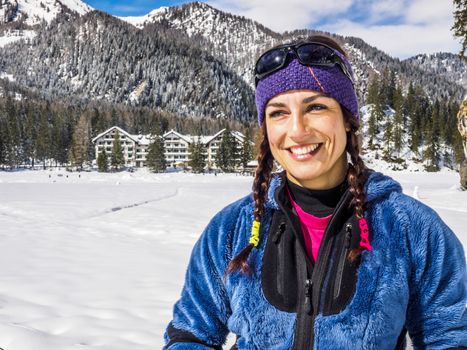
[{"x": 254, "y": 238}]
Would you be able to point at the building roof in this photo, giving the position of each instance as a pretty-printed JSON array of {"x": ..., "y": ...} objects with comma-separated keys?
[
  {"x": 145, "y": 140},
  {"x": 183, "y": 137},
  {"x": 133, "y": 137},
  {"x": 237, "y": 134}
]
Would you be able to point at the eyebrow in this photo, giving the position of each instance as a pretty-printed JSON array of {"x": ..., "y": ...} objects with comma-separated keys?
[
  {"x": 314, "y": 97},
  {"x": 305, "y": 100}
]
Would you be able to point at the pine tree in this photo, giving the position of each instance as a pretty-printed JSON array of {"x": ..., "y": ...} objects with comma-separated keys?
[
  {"x": 116, "y": 158},
  {"x": 155, "y": 159},
  {"x": 197, "y": 156},
  {"x": 43, "y": 139},
  {"x": 398, "y": 120},
  {"x": 431, "y": 154},
  {"x": 391, "y": 89},
  {"x": 58, "y": 143},
  {"x": 373, "y": 90},
  {"x": 376, "y": 116},
  {"x": 247, "y": 149},
  {"x": 29, "y": 139},
  {"x": 227, "y": 155},
  {"x": 102, "y": 162},
  {"x": 13, "y": 134},
  {"x": 409, "y": 105},
  {"x": 373, "y": 99},
  {"x": 417, "y": 116},
  {"x": 460, "y": 23},
  {"x": 80, "y": 143},
  {"x": 3, "y": 133},
  {"x": 388, "y": 138}
]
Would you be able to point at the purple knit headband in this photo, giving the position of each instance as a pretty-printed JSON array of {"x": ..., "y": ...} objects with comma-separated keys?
[{"x": 295, "y": 76}]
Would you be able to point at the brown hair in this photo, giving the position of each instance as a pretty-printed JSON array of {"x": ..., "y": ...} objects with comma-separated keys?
[
  {"x": 263, "y": 175},
  {"x": 356, "y": 175}
]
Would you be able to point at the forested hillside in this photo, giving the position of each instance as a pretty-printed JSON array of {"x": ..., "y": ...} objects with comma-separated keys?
[{"x": 190, "y": 67}]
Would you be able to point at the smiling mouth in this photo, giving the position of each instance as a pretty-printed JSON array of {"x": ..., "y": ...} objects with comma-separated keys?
[{"x": 301, "y": 152}]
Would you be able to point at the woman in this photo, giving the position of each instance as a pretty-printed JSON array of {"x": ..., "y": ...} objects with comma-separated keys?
[{"x": 326, "y": 254}]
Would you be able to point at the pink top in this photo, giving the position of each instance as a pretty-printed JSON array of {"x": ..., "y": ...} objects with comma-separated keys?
[{"x": 313, "y": 229}]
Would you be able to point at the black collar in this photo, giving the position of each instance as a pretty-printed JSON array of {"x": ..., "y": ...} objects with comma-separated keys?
[{"x": 317, "y": 202}]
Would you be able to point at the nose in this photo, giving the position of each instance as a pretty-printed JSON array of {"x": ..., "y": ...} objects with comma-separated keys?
[{"x": 298, "y": 128}]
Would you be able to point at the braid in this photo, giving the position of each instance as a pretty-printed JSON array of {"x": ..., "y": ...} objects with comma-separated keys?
[
  {"x": 356, "y": 178},
  {"x": 260, "y": 187}
]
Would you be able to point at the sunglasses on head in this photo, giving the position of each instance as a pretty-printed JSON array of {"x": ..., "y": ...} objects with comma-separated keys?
[{"x": 308, "y": 54}]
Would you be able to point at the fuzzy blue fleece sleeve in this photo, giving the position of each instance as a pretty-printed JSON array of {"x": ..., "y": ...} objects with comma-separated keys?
[
  {"x": 200, "y": 316},
  {"x": 437, "y": 313}
]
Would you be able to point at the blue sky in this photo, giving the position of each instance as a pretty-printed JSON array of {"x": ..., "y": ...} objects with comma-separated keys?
[
  {"x": 129, "y": 7},
  {"x": 402, "y": 28}
]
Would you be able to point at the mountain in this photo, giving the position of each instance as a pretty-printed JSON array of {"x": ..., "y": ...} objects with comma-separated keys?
[
  {"x": 20, "y": 19},
  {"x": 192, "y": 59},
  {"x": 233, "y": 39},
  {"x": 99, "y": 57},
  {"x": 444, "y": 64},
  {"x": 190, "y": 67},
  {"x": 33, "y": 12},
  {"x": 238, "y": 41}
]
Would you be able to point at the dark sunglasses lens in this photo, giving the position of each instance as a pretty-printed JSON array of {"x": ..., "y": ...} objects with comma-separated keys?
[
  {"x": 270, "y": 61},
  {"x": 315, "y": 54}
]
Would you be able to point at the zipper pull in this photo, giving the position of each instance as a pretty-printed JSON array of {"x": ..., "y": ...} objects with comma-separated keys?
[
  {"x": 279, "y": 232},
  {"x": 308, "y": 292},
  {"x": 348, "y": 235}
]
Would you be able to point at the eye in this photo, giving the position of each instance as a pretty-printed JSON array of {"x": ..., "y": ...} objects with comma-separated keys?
[
  {"x": 276, "y": 114},
  {"x": 316, "y": 107}
]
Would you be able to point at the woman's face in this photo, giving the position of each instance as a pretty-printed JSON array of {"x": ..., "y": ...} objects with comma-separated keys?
[{"x": 307, "y": 136}]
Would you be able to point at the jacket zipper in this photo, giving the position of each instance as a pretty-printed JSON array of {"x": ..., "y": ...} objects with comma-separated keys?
[
  {"x": 321, "y": 265},
  {"x": 305, "y": 320},
  {"x": 308, "y": 292},
  {"x": 342, "y": 259},
  {"x": 303, "y": 339}
]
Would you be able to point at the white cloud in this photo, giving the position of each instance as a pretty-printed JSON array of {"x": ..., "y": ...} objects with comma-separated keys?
[
  {"x": 280, "y": 15},
  {"x": 428, "y": 11},
  {"x": 403, "y": 40},
  {"x": 423, "y": 25}
]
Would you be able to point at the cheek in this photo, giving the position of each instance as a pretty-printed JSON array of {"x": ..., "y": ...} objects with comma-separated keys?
[
  {"x": 273, "y": 137},
  {"x": 341, "y": 140},
  {"x": 335, "y": 129}
]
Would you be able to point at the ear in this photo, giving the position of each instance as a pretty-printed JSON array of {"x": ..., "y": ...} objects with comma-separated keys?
[{"x": 347, "y": 127}]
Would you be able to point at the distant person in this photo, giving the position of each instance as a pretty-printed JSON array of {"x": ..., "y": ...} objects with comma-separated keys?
[{"x": 326, "y": 254}]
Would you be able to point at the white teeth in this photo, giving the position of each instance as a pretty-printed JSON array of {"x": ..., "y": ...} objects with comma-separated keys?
[{"x": 304, "y": 150}]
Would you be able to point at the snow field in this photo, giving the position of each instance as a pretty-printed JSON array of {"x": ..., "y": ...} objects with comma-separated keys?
[{"x": 97, "y": 261}]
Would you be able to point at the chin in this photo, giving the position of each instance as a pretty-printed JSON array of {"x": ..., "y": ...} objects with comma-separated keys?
[{"x": 304, "y": 176}]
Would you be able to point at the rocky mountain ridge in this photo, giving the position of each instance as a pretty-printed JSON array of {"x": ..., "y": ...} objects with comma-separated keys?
[{"x": 162, "y": 59}]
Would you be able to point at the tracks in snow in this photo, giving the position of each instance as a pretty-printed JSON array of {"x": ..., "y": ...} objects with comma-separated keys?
[{"x": 133, "y": 205}]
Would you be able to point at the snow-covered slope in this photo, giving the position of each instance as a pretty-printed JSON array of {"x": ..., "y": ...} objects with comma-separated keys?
[
  {"x": 18, "y": 18},
  {"x": 382, "y": 155},
  {"x": 238, "y": 41},
  {"x": 443, "y": 63},
  {"x": 151, "y": 17},
  {"x": 33, "y": 12},
  {"x": 96, "y": 261},
  {"x": 234, "y": 39}
]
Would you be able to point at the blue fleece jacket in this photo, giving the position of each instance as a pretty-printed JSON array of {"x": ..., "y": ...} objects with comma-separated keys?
[{"x": 415, "y": 276}]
